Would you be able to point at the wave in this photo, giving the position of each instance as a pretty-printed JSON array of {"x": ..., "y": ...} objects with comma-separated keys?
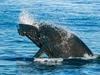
[{"x": 56, "y": 61}]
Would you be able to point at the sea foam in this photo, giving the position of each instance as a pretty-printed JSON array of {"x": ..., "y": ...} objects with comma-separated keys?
[{"x": 26, "y": 18}]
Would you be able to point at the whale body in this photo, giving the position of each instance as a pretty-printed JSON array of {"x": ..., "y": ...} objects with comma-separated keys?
[{"x": 54, "y": 41}]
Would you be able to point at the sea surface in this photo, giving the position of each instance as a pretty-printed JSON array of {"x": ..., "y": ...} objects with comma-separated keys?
[{"x": 80, "y": 16}]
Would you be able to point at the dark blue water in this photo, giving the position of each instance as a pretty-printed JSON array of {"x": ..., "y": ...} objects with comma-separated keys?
[{"x": 80, "y": 16}]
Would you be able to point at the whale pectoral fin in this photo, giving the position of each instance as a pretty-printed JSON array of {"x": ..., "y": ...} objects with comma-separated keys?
[{"x": 39, "y": 53}]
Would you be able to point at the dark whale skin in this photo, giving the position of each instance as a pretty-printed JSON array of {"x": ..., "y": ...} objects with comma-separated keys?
[{"x": 56, "y": 42}]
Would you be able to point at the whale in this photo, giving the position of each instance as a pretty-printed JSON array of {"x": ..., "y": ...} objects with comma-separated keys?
[{"x": 54, "y": 41}]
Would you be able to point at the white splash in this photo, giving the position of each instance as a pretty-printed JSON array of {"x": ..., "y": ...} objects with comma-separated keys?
[
  {"x": 49, "y": 61},
  {"x": 86, "y": 56},
  {"x": 25, "y": 18}
]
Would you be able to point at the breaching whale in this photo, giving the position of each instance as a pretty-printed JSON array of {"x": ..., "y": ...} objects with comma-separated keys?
[{"x": 54, "y": 41}]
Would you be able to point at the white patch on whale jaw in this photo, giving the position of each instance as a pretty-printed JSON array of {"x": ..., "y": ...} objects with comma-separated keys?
[{"x": 25, "y": 18}]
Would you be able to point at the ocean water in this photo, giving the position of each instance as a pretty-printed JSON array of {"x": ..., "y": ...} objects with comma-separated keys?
[{"x": 81, "y": 17}]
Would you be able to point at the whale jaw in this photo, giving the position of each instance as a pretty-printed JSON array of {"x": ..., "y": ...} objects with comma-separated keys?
[{"x": 25, "y": 29}]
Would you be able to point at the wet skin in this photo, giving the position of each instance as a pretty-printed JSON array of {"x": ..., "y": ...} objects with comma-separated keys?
[{"x": 54, "y": 41}]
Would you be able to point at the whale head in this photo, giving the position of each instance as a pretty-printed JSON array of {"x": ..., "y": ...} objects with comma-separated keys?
[
  {"x": 25, "y": 29},
  {"x": 27, "y": 25}
]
